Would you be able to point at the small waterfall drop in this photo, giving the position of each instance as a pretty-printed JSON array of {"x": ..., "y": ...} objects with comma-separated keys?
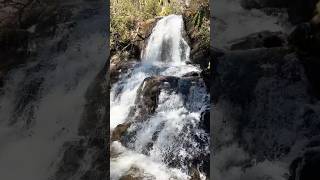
[
  {"x": 162, "y": 145},
  {"x": 166, "y": 43},
  {"x": 42, "y": 101}
]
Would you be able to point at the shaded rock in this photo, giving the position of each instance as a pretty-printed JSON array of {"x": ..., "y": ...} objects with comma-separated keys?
[
  {"x": 300, "y": 11},
  {"x": 306, "y": 167},
  {"x": 14, "y": 41},
  {"x": 148, "y": 93},
  {"x": 195, "y": 175},
  {"x": 259, "y": 98},
  {"x": 258, "y": 4},
  {"x": 71, "y": 160},
  {"x": 198, "y": 37},
  {"x": 201, "y": 56},
  {"x": 306, "y": 38},
  {"x": 264, "y": 39},
  {"x": 14, "y": 49},
  {"x": 312, "y": 66},
  {"x": 119, "y": 65},
  {"x": 137, "y": 41},
  {"x": 205, "y": 120}
]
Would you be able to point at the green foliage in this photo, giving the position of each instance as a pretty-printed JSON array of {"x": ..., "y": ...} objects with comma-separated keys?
[{"x": 125, "y": 14}]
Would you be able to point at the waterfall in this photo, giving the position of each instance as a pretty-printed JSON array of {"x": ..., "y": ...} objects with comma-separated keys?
[
  {"x": 232, "y": 21},
  {"x": 41, "y": 102},
  {"x": 163, "y": 144}
]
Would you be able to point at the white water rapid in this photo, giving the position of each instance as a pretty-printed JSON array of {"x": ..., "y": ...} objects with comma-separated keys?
[
  {"x": 42, "y": 102},
  {"x": 173, "y": 125}
]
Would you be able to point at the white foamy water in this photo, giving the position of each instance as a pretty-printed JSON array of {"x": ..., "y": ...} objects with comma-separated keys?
[
  {"x": 175, "y": 118},
  {"x": 231, "y": 22},
  {"x": 42, "y": 102}
]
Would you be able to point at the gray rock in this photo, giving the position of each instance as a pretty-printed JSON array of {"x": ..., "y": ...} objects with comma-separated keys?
[{"x": 262, "y": 107}]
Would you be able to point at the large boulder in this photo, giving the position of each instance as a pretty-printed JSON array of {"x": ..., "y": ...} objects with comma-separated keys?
[
  {"x": 146, "y": 104},
  {"x": 134, "y": 173}
]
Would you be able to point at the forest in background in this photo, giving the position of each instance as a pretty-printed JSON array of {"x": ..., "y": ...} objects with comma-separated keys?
[{"x": 132, "y": 21}]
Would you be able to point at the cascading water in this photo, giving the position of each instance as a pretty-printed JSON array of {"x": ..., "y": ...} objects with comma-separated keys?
[
  {"x": 232, "y": 21},
  {"x": 41, "y": 102},
  {"x": 163, "y": 145}
]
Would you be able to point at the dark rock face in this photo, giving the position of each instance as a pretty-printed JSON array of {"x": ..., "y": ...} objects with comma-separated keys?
[
  {"x": 300, "y": 11},
  {"x": 249, "y": 4},
  {"x": 147, "y": 98},
  {"x": 24, "y": 25},
  {"x": 201, "y": 56},
  {"x": 265, "y": 39},
  {"x": 312, "y": 65},
  {"x": 306, "y": 167},
  {"x": 306, "y": 38},
  {"x": 262, "y": 102},
  {"x": 120, "y": 64}
]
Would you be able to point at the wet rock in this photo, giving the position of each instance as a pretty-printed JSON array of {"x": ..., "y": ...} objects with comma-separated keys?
[
  {"x": 264, "y": 39},
  {"x": 195, "y": 175},
  {"x": 135, "y": 173},
  {"x": 301, "y": 11},
  {"x": 260, "y": 97},
  {"x": 200, "y": 56},
  {"x": 312, "y": 66},
  {"x": 306, "y": 167},
  {"x": 192, "y": 74},
  {"x": 14, "y": 49},
  {"x": 145, "y": 106},
  {"x": 119, "y": 131},
  {"x": 205, "y": 120},
  {"x": 14, "y": 41},
  {"x": 306, "y": 38},
  {"x": 147, "y": 96},
  {"x": 120, "y": 64}
]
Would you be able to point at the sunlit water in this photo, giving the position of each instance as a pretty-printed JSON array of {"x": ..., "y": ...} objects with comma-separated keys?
[{"x": 166, "y": 54}]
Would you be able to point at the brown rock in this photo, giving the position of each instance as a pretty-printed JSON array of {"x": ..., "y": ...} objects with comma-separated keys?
[{"x": 119, "y": 131}]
